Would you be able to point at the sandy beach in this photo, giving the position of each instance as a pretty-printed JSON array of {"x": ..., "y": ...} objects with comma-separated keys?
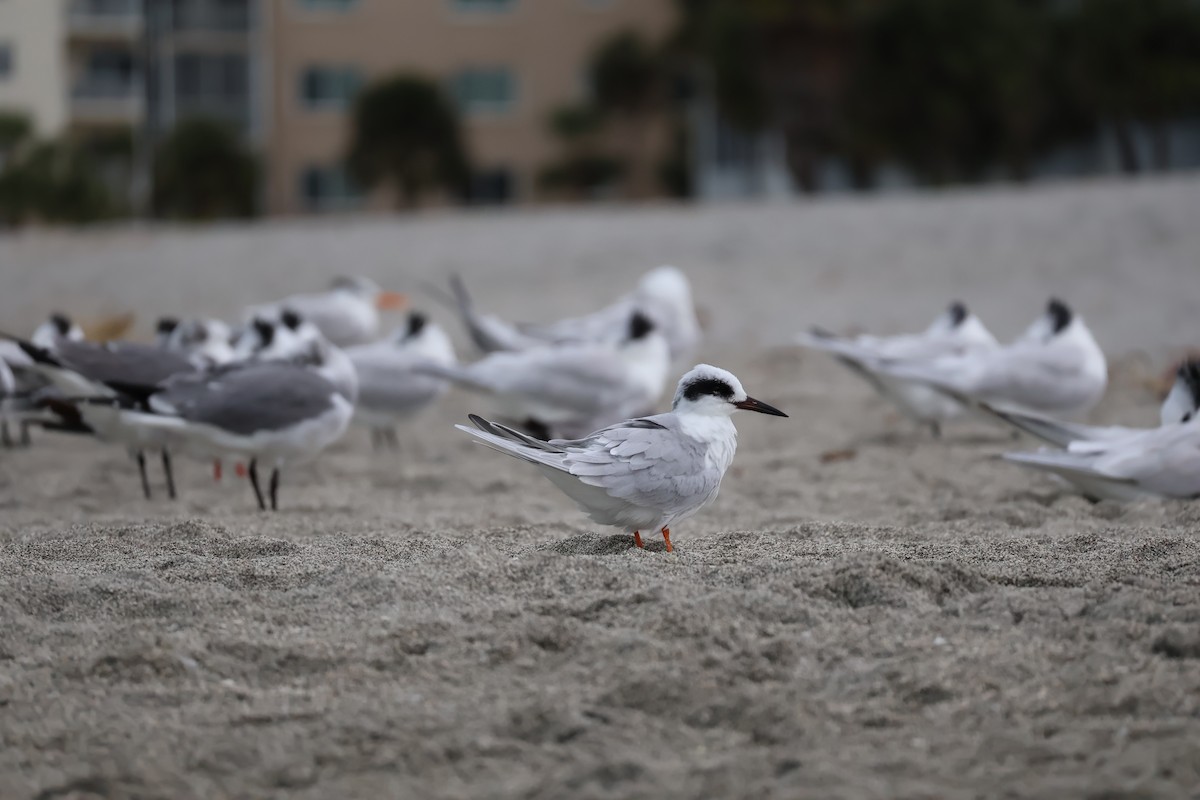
[{"x": 866, "y": 612}]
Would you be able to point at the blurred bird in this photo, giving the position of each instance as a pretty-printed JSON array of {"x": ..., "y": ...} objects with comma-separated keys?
[
  {"x": 663, "y": 295},
  {"x": 276, "y": 412},
  {"x": 1180, "y": 405},
  {"x": 1055, "y": 367},
  {"x": 391, "y": 388},
  {"x": 1161, "y": 461},
  {"x": 20, "y": 385},
  {"x": 570, "y": 389},
  {"x": 954, "y": 332},
  {"x": 204, "y": 340},
  {"x": 643, "y": 474},
  {"x": 347, "y": 314}
]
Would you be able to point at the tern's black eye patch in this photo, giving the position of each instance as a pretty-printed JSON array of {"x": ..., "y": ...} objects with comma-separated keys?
[
  {"x": 708, "y": 386},
  {"x": 958, "y": 313}
]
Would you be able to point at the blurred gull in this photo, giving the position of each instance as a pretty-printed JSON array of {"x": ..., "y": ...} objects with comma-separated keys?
[
  {"x": 20, "y": 385},
  {"x": 954, "y": 332},
  {"x": 1180, "y": 405},
  {"x": 664, "y": 295},
  {"x": 1055, "y": 367},
  {"x": 391, "y": 387},
  {"x": 570, "y": 389},
  {"x": 643, "y": 474},
  {"x": 347, "y": 314}
]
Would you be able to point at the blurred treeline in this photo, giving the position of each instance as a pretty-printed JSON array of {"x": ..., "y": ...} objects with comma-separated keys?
[
  {"x": 952, "y": 90},
  {"x": 946, "y": 90}
]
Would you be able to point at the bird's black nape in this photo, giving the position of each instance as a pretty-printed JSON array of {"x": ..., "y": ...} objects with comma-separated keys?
[
  {"x": 416, "y": 323},
  {"x": 291, "y": 318},
  {"x": 61, "y": 323},
  {"x": 639, "y": 326},
  {"x": 1060, "y": 314},
  {"x": 1189, "y": 374},
  {"x": 958, "y": 313},
  {"x": 166, "y": 326},
  {"x": 265, "y": 331}
]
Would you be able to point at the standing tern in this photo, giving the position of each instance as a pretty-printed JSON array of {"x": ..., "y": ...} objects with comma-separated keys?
[
  {"x": 954, "y": 332},
  {"x": 391, "y": 387},
  {"x": 347, "y": 314},
  {"x": 1055, "y": 367},
  {"x": 570, "y": 389},
  {"x": 643, "y": 474}
]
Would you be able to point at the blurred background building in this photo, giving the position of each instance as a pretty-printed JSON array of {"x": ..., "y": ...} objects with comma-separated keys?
[{"x": 215, "y": 108}]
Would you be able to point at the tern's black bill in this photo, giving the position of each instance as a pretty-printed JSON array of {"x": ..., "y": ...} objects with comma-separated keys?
[{"x": 750, "y": 404}]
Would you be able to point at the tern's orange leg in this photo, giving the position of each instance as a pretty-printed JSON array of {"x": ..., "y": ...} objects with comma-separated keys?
[
  {"x": 637, "y": 539},
  {"x": 217, "y": 470},
  {"x": 666, "y": 532},
  {"x": 240, "y": 469}
]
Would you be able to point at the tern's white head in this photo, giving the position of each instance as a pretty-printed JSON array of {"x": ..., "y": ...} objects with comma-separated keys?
[
  {"x": 58, "y": 326},
  {"x": 958, "y": 322},
  {"x": 712, "y": 391},
  {"x": 1056, "y": 321},
  {"x": 666, "y": 284},
  {"x": 1183, "y": 401},
  {"x": 422, "y": 336}
]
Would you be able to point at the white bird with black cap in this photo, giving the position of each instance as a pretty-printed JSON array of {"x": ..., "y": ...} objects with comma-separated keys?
[
  {"x": 1055, "y": 367},
  {"x": 346, "y": 314},
  {"x": 570, "y": 389},
  {"x": 643, "y": 474},
  {"x": 391, "y": 387},
  {"x": 954, "y": 332}
]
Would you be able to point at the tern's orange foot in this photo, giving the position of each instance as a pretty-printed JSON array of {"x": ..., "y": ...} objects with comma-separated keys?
[
  {"x": 637, "y": 539},
  {"x": 666, "y": 532}
]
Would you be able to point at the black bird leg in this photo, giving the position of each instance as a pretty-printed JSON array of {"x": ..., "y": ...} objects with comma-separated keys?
[
  {"x": 166, "y": 462},
  {"x": 393, "y": 443},
  {"x": 254, "y": 482},
  {"x": 274, "y": 488},
  {"x": 5, "y": 438},
  {"x": 141, "y": 461}
]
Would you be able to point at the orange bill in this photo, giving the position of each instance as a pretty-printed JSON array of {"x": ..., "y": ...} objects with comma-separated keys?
[{"x": 391, "y": 301}]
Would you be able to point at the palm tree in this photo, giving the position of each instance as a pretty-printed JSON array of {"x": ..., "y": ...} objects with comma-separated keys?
[{"x": 406, "y": 133}]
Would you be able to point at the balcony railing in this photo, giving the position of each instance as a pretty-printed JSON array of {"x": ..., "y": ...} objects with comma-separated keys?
[
  {"x": 108, "y": 18},
  {"x": 101, "y": 101}
]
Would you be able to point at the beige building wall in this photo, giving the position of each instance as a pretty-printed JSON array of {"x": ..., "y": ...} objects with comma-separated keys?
[
  {"x": 546, "y": 44},
  {"x": 33, "y": 33}
]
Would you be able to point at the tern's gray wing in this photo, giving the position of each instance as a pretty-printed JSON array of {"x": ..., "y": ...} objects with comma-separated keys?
[
  {"x": 586, "y": 381},
  {"x": 121, "y": 363},
  {"x": 648, "y": 462},
  {"x": 263, "y": 397},
  {"x": 602, "y": 325}
]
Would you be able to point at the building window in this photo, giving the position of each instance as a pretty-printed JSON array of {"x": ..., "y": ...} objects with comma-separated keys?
[
  {"x": 485, "y": 90},
  {"x": 327, "y": 5},
  {"x": 328, "y": 188},
  {"x": 329, "y": 87},
  {"x": 490, "y": 187},
  {"x": 6, "y": 60},
  {"x": 483, "y": 6}
]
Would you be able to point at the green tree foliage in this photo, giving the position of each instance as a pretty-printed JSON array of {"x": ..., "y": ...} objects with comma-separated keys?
[
  {"x": 202, "y": 172},
  {"x": 406, "y": 133},
  {"x": 47, "y": 181}
]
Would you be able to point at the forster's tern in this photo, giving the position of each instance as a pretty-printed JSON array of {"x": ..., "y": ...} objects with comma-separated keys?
[
  {"x": 643, "y": 474},
  {"x": 391, "y": 387},
  {"x": 570, "y": 389},
  {"x": 954, "y": 332},
  {"x": 347, "y": 314},
  {"x": 663, "y": 295},
  {"x": 1055, "y": 367}
]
